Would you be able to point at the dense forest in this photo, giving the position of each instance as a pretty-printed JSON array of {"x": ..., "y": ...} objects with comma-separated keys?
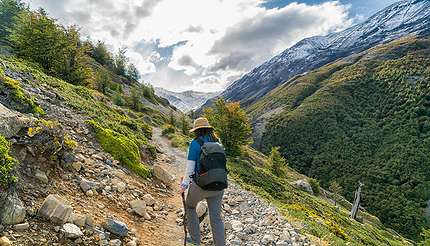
[{"x": 364, "y": 118}]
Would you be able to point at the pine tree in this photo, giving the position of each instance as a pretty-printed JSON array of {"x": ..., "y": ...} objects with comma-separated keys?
[
  {"x": 101, "y": 54},
  {"x": 276, "y": 162},
  {"x": 336, "y": 189},
  {"x": 133, "y": 73},
  {"x": 120, "y": 62}
]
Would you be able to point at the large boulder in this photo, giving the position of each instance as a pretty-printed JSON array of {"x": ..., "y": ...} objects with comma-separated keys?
[
  {"x": 11, "y": 122},
  {"x": 163, "y": 175},
  {"x": 12, "y": 210},
  {"x": 303, "y": 185},
  {"x": 116, "y": 227},
  {"x": 56, "y": 209}
]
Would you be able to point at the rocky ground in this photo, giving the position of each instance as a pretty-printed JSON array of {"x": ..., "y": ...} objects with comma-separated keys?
[{"x": 86, "y": 198}]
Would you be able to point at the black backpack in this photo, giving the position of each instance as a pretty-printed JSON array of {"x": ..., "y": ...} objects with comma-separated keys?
[{"x": 212, "y": 173}]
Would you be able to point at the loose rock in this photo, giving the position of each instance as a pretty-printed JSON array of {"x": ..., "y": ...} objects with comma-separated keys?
[
  {"x": 116, "y": 227},
  {"x": 139, "y": 207},
  {"x": 13, "y": 211},
  {"x": 71, "y": 231},
  {"x": 21, "y": 227},
  {"x": 55, "y": 209},
  {"x": 163, "y": 175},
  {"x": 4, "y": 241},
  {"x": 149, "y": 200},
  {"x": 41, "y": 176}
]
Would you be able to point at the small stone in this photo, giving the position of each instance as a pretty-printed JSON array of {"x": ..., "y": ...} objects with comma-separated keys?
[
  {"x": 86, "y": 185},
  {"x": 77, "y": 166},
  {"x": 4, "y": 241},
  {"x": 71, "y": 231},
  {"x": 201, "y": 209},
  {"x": 236, "y": 225},
  {"x": 115, "y": 242},
  {"x": 21, "y": 227},
  {"x": 267, "y": 239},
  {"x": 89, "y": 193},
  {"x": 89, "y": 221},
  {"x": 118, "y": 185},
  {"x": 139, "y": 207},
  {"x": 79, "y": 220},
  {"x": 149, "y": 200},
  {"x": 131, "y": 243},
  {"x": 146, "y": 216},
  {"x": 116, "y": 227},
  {"x": 41, "y": 176}
]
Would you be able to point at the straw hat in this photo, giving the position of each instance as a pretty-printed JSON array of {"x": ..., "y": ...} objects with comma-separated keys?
[{"x": 201, "y": 123}]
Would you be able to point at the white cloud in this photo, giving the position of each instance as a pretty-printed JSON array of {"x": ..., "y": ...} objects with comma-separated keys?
[{"x": 197, "y": 44}]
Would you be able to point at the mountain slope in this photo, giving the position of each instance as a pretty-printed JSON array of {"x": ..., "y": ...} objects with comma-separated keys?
[
  {"x": 363, "y": 118},
  {"x": 404, "y": 17},
  {"x": 185, "y": 101}
]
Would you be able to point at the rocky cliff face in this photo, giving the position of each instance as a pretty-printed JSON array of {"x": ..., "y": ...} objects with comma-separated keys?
[{"x": 397, "y": 20}]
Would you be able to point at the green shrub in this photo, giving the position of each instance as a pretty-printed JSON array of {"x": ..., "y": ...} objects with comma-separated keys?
[
  {"x": 180, "y": 141},
  {"x": 119, "y": 100},
  {"x": 315, "y": 184},
  {"x": 276, "y": 162},
  {"x": 7, "y": 163},
  {"x": 425, "y": 238},
  {"x": 168, "y": 129},
  {"x": 123, "y": 149}
]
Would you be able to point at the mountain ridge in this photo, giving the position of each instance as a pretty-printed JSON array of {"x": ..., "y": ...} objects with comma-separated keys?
[
  {"x": 186, "y": 100},
  {"x": 314, "y": 52}
]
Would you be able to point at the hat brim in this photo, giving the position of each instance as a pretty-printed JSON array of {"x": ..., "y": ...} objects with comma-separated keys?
[{"x": 200, "y": 127}]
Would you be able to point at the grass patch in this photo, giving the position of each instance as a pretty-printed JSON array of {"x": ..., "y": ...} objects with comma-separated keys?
[
  {"x": 177, "y": 139},
  {"x": 121, "y": 148}
]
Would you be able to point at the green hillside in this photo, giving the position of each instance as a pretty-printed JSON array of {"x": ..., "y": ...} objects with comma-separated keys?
[
  {"x": 319, "y": 218},
  {"x": 364, "y": 118}
]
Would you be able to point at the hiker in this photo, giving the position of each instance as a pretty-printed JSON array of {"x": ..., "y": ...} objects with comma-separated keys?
[{"x": 205, "y": 178}]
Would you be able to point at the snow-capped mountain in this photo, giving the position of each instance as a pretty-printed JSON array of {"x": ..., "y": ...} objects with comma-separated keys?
[
  {"x": 187, "y": 100},
  {"x": 400, "y": 19}
]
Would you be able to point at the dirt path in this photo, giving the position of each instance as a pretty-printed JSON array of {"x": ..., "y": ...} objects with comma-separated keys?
[{"x": 168, "y": 233}]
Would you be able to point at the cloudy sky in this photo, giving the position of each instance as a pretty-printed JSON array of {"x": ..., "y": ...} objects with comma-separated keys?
[{"x": 205, "y": 44}]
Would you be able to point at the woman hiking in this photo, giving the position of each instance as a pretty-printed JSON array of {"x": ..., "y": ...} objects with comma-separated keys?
[{"x": 205, "y": 178}]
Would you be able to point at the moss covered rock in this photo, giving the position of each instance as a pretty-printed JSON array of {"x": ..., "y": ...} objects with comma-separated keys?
[
  {"x": 123, "y": 149},
  {"x": 7, "y": 162},
  {"x": 13, "y": 96}
]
